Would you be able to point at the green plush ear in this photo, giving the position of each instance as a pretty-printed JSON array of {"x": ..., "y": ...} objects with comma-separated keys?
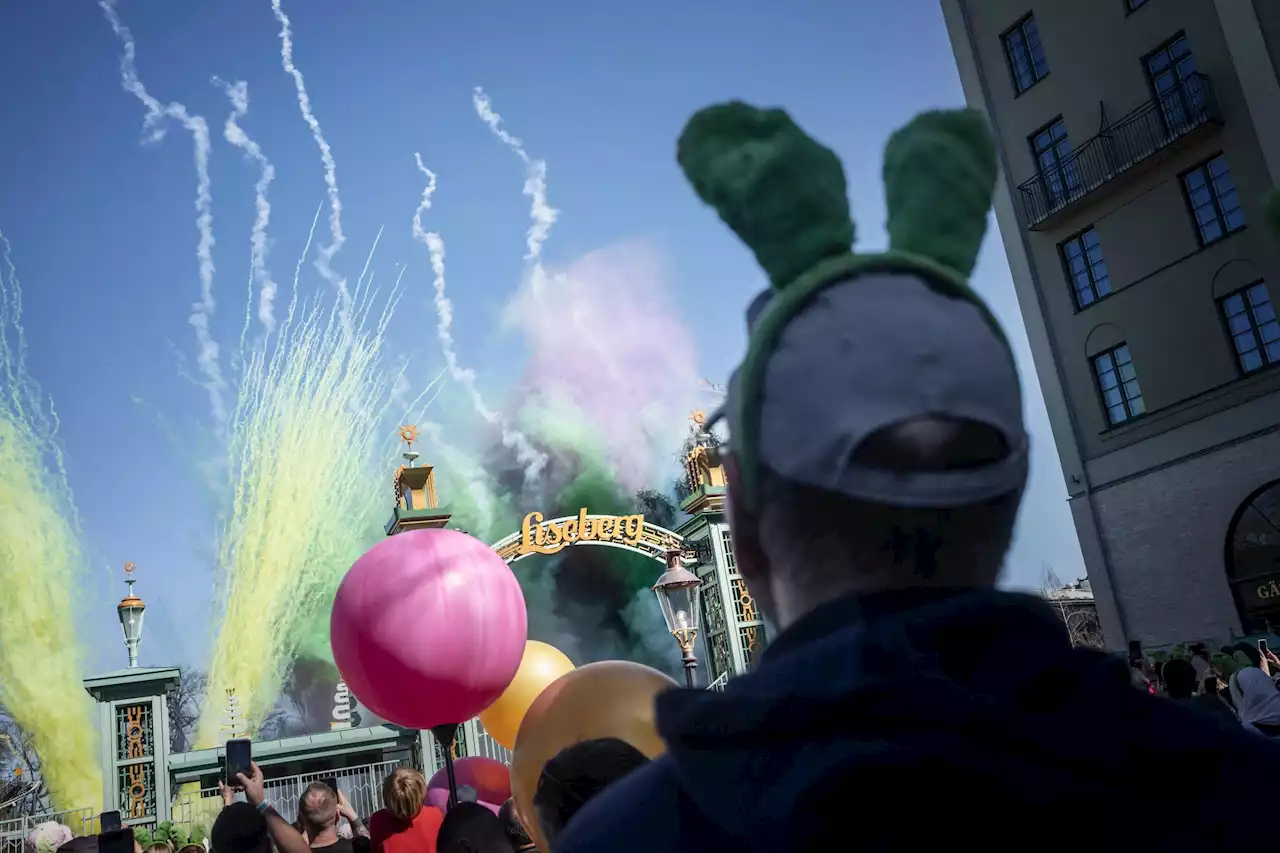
[
  {"x": 780, "y": 191},
  {"x": 939, "y": 178},
  {"x": 1271, "y": 207}
]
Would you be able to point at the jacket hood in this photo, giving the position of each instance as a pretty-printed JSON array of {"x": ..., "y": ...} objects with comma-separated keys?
[{"x": 861, "y": 695}]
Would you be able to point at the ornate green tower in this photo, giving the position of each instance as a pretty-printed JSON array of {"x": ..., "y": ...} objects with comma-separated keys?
[{"x": 732, "y": 628}]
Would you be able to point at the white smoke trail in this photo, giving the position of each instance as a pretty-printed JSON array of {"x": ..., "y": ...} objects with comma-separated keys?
[
  {"x": 535, "y": 186},
  {"x": 530, "y": 457},
  {"x": 238, "y": 94},
  {"x": 202, "y": 311},
  {"x": 324, "y": 258}
]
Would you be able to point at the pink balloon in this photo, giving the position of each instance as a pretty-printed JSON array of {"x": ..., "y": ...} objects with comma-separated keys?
[
  {"x": 491, "y": 779},
  {"x": 428, "y": 628}
]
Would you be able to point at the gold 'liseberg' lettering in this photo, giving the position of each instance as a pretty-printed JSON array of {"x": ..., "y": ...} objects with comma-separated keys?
[
  {"x": 548, "y": 537},
  {"x": 1268, "y": 590}
]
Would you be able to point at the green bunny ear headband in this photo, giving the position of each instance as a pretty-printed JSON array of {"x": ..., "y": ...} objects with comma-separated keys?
[{"x": 785, "y": 196}]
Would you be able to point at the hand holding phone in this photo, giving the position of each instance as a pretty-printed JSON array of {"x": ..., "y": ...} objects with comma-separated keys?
[{"x": 1262, "y": 645}]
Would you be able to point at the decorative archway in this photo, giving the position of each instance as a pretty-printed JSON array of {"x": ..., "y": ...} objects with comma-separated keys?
[
  {"x": 1253, "y": 559},
  {"x": 629, "y": 532}
]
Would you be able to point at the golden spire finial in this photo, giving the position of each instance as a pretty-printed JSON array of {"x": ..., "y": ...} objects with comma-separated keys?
[
  {"x": 698, "y": 416},
  {"x": 129, "y": 569},
  {"x": 409, "y": 434}
]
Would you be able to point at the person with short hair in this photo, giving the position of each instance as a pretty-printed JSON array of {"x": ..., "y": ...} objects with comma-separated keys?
[
  {"x": 405, "y": 824},
  {"x": 578, "y": 773},
  {"x": 875, "y": 461},
  {"x": 1179, "y": 678},
  {"x": 514, "y": 827},
  {"x": 319, "y": 808},
  {"x": 240, "y": 828},
  {"x": 472, "y": 828}
]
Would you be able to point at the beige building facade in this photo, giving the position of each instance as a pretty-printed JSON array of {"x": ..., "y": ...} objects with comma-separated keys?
[{"x": 1137, "y": 141}]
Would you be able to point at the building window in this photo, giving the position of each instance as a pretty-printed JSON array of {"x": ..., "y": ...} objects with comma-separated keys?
[
  {"x": 1134, "y": 4},
  {"x": 1118, "y": 383},
  {"x": 1058, "y": 169},
  {"x": 1025, "y": 54},
  {"x": 1251, "y": 322},
  {"x": 1214, "y": 202},
  {"x": 1171, "y": 70},
  {"x": 1086, "y": 268}
]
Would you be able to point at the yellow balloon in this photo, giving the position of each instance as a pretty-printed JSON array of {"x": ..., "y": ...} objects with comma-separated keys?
[
  {"x": 611, "y": 698},
  {"x": 540, "y": 665}
]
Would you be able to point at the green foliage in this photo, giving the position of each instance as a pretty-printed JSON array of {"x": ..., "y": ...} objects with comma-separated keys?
[{"x": 176, "y": 836}]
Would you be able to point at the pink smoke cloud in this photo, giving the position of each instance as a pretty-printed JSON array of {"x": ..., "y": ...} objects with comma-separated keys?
[{"x": 604, "y": 338}]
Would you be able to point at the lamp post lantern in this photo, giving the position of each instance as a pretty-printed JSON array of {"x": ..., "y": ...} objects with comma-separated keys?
[
  {"x": 131, "y": 610},
  {"x": 678, "y": 591}
]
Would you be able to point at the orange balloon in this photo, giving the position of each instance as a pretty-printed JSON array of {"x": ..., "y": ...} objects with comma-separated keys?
[
  {"x": 540, "y": 665},
  {"x": 611, "y": 698}
]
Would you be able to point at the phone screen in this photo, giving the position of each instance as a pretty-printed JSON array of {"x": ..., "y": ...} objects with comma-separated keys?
[
  {"x": 109, "y": 821},
  {"x": 332, "y": 783},
  {"x": 239, "y": 756},
  {"x": 116, "y": 841},
  {"x": 1135, "y": 652},
  {"x": 1262, "y": 646}
]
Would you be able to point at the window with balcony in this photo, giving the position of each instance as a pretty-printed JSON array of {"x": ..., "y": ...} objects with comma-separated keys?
[
  {"x": 1215, "y": 205},
  {"x": 1171, "y": 71},
  {"x": 1118, "y": 384},
  {"x": 1058, "y": 169},
  {"x": 1025, "y": 53},
  {"x": 1251, "y": 323},
  {"x": 1086, "y": 269}
]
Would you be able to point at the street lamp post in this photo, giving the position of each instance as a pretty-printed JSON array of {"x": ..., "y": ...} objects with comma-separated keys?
[
  {"x": 131, "y": 610},
  {"x": 678, "y": 591}
]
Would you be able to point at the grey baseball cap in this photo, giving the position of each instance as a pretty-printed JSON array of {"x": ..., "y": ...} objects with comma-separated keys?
[{"x": 870, "y": 352}]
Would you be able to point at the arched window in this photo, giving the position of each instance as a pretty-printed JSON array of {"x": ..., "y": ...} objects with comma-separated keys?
[{"x": 1253, "y": 559}]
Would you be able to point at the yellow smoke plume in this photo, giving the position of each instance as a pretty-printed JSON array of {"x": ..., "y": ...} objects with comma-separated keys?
[{"x": 40, "y": 563}]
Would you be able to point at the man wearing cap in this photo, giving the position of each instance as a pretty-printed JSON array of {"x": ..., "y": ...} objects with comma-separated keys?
[{"x": 876, "y": 458}]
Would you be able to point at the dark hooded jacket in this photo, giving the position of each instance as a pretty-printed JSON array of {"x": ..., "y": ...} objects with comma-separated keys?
[{"x": 915, "y": 720}]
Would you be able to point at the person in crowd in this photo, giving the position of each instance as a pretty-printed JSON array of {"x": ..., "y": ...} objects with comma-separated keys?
[
  {"x": 47, "y": 837},
  {"x": 192, "y": 848},
  {"x": 1257, "y": 702},
  {"x": 875, "y": 460},
  {"x": 80, "y": 844},
  {"x": 319, "y": 809},
  {"x": 1213, "y": 699},
  {"x": 1179, "y": 679},
  {"x": 514, "y": 827},
  {"x": 158, "y": 847},
  {"x": 242, "y": 828},
  {"x": 472, "y": 828},
  {"x": 577, "y": 774},
  {"x": 405, "y": 824},
  {"x": 285, "y": 838}
]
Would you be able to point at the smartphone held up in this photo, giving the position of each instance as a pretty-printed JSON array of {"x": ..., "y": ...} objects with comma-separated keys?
[{"x": 239, "y": 756}]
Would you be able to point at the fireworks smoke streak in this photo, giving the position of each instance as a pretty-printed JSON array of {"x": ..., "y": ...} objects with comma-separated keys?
[
  {"x": 535, "y": 186},
  {"x": 324, "y": 260},
  {"x": 153, "y": 125},
  {"x": 40, "y": 563},
  {"x": 532, "y": 460},
  {"x": 238, "y": 94}
]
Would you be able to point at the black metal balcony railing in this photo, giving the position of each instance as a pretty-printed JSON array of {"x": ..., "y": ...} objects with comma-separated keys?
[{"x": 1120, "y": 146}]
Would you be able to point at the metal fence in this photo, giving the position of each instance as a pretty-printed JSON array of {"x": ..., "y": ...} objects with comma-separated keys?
[
  {"x": 719, "y": 683},
  {"x": 14, "y": 831},
  {"x": 362, "y": 786}
]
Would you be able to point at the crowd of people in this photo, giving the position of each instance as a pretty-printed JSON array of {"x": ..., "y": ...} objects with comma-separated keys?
[{"x": 407, "y": 823}]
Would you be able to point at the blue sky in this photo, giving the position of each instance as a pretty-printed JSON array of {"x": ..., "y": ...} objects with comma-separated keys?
[{"x": 104, "y": 237}]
